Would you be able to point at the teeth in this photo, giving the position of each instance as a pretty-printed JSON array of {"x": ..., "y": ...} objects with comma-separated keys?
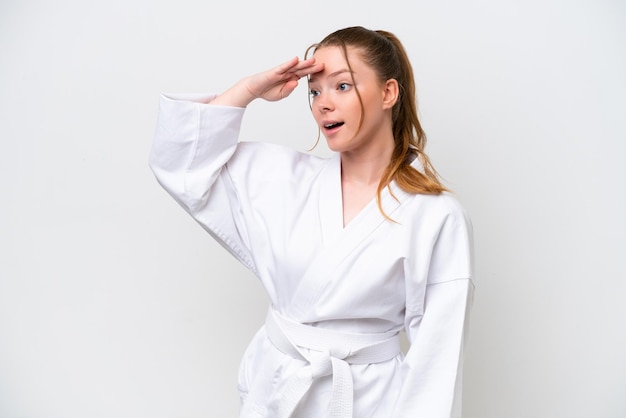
[{"x": 332, "y": 125}]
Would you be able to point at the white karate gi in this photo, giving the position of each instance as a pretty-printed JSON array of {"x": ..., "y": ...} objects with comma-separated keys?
[{"x": 280, "y": 213}]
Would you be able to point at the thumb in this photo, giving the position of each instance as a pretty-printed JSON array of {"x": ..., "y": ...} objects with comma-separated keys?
[{"x": 288, "y": 88}]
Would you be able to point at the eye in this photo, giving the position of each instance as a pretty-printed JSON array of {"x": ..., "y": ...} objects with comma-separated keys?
[
  {"x": 343, "y": 86},
  {"x": 313, "y": 93}
]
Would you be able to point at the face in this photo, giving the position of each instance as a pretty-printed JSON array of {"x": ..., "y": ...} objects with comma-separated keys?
[{"x": 336, "y": 107}]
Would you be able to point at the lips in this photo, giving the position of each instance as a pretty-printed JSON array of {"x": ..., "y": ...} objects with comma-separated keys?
[{"x": 332, "y": 125}]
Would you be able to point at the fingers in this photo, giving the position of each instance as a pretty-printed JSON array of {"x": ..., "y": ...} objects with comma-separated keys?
[
  {"x": 296, "y": 67},
  {"x": 287, "y": 89},
  {"x": 281, "y": 81},
  {"x": 287, "y": 66}
]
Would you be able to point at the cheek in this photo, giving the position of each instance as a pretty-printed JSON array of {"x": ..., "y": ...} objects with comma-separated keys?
[
  {"x": 313, "y": 108},
  {"x": 373, "y": 107},
  {"x": 316, "y": 115},
  {"x": 351, "y": 104}
]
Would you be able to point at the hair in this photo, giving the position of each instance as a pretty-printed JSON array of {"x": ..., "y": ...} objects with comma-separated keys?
[{"x": 384, "y": 53}]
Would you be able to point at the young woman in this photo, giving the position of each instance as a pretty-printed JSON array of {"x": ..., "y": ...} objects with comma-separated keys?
[{"x": 351, "y": 249}]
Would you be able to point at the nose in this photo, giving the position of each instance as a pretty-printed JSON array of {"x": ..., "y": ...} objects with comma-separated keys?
[{"x": 324, "y": 104}]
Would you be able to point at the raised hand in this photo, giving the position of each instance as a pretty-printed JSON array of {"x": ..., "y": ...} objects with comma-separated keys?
[{"x": 272, "y": 85}]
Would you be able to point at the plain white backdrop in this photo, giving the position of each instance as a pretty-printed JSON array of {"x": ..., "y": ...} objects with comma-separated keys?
[{"x": 114, "y": 303}]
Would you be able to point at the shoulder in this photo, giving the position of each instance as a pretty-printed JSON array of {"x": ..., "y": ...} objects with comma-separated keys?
[
  {"x": 436, "y": 218},
  {"x": 453, "y": 208},
  {"x": 442, "y": 229},
  {"x": 441, "y": 206}
]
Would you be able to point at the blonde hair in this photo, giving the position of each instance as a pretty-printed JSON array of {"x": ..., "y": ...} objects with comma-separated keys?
[{"x": 384, "y": 53}]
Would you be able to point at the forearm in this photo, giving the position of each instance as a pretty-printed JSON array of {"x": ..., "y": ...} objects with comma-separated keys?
[
  {"x": 238, "y": 95},
  {"x": 433, "y": 366}
]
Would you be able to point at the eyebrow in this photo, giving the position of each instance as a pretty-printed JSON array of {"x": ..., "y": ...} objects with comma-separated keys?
[{"x": 334, "y": 74}]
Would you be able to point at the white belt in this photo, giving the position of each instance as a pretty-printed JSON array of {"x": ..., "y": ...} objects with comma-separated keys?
[{"x": 331, "y": 353}]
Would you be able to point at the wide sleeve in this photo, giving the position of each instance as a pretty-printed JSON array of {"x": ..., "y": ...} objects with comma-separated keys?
[
  {"x": 192, "y": 145},
  {"x": 437, "y": 326}
]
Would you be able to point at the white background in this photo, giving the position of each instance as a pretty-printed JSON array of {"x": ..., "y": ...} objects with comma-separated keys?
[{"x": 114, "y": 303}]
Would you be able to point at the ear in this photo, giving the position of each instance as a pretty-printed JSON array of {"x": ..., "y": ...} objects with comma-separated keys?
[{"x": 390, "y": 93}]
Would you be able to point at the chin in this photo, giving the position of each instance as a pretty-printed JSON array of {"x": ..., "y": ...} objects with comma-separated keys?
[
  {"x": 335, "y": 149},
  {"x": 335, "y": 146}
]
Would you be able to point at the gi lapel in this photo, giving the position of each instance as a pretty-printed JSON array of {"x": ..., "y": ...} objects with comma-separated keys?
[
  {"x": 330, "y": 203},
  {"x": 339, "y": 242}
]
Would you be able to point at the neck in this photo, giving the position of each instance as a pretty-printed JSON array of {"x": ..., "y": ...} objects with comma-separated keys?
[{"x": 365, "y": 169}]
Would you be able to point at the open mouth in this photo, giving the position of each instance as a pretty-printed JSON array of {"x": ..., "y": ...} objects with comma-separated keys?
[{"x": 333, "y": 125}]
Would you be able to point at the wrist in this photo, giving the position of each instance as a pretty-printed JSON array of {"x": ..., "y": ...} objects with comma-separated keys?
[{"x": 237, "y": 96}]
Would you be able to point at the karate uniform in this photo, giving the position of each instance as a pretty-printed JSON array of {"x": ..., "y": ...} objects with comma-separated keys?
[{"x": 339, "y": 295}]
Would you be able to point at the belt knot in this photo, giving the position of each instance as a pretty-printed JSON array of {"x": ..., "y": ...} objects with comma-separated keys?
[{"x": 326, "y": 353}]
